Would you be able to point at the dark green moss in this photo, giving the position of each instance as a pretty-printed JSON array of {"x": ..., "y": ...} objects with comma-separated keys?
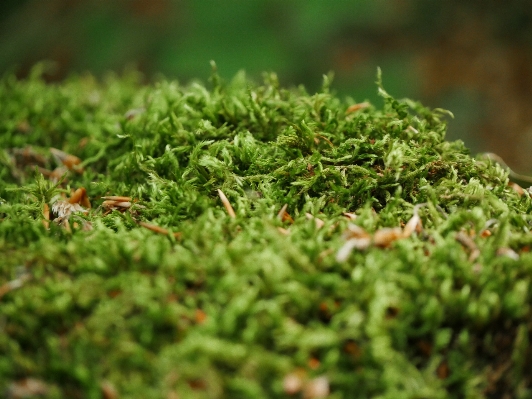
[{"x": 233, "y": 305}]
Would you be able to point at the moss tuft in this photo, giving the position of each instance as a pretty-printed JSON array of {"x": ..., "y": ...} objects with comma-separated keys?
[{"x": 399, "y": 267}]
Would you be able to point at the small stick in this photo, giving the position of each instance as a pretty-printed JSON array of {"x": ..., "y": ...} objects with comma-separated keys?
[
  {"x": 46, "y": 214},
  {"x": 227, "y": 204},
  {"x": 357, "y": 107},
  {"x": 158, "y": 229},
  {"x": 117, "y": 198}
]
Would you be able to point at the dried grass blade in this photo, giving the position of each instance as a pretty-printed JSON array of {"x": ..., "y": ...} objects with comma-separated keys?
[
  {"x": 227, "y": 204},
  {"x": 117, "y": 198},
  {"x": 46, "y": 216},
  {"x": 158, "y": 229}
]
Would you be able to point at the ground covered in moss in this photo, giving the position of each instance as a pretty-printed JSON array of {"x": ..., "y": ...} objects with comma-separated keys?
[{"x": 246, "y": 240}]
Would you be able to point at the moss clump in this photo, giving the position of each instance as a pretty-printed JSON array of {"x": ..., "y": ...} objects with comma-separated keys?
[{"x": 97, "y": 302}]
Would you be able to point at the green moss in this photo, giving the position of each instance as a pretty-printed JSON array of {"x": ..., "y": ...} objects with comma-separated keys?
[{"x": 233, "y": 305}]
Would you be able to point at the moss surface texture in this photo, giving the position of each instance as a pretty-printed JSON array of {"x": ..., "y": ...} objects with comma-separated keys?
[{"x": 241, "y": 240}]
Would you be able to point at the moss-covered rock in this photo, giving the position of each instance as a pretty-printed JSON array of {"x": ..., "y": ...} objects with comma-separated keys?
[{"x": 253, "y": 241}]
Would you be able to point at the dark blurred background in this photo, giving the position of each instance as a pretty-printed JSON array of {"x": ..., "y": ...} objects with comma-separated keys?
[{"x": 472, "y": 57}]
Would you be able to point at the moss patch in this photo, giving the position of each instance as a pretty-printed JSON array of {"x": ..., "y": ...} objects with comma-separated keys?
[{"x": 162, "y": 294}]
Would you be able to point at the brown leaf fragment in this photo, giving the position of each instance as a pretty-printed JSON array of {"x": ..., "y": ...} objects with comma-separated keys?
[
  {"x": 26, "y": 388},
  {"x": 227, "y": 204},
  {"x": 72, "y": 162},
  {"x": 316, "y": 388},
  {"x": 357, "y": 107}
]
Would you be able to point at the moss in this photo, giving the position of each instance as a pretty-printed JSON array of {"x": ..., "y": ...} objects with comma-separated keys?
[{"x": 94, "y": 304}]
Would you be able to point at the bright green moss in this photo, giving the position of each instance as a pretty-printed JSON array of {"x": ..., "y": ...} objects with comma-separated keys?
[{"x": 233, "y": 305}]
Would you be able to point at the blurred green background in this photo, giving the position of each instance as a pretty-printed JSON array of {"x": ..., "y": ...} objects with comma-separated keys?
[{"x": 472, "y": 57}]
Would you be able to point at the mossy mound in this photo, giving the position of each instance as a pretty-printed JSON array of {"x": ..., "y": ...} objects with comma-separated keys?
[{"x": 112, "y": 302}]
